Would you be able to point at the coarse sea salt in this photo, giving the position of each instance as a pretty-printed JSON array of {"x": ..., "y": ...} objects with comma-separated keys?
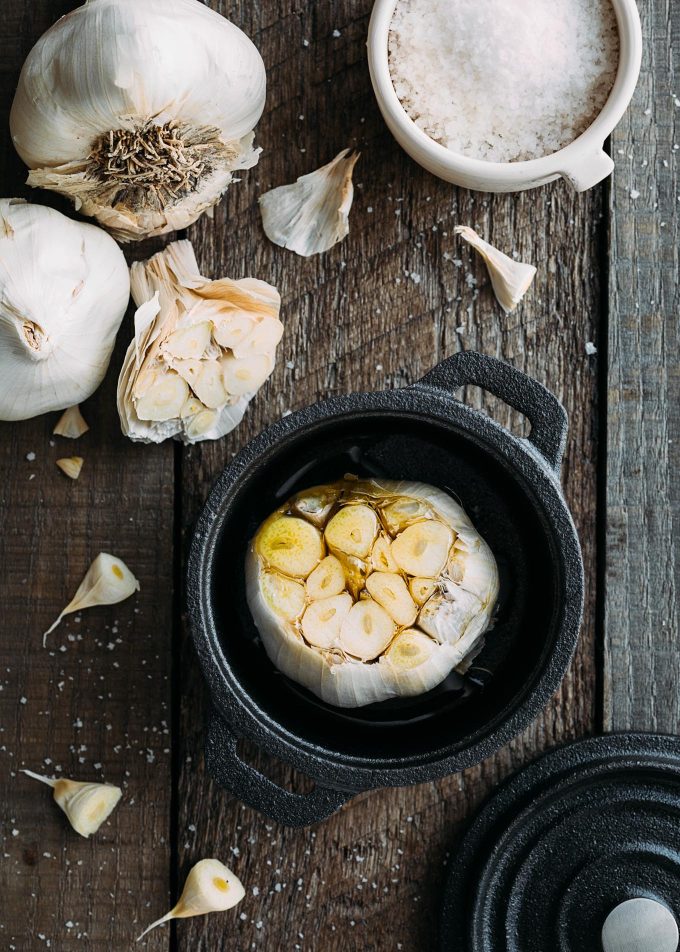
[{"x": 503, "y": 80}]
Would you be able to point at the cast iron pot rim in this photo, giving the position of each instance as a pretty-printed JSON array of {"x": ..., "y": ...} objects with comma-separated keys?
[{"x": 354, "y": 773}]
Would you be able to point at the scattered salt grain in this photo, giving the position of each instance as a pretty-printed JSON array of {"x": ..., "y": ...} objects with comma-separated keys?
[
  {"x": 634, "y": 193},
  {"x": 591, "y": 349},
  {"x": 503, "y": 80}
]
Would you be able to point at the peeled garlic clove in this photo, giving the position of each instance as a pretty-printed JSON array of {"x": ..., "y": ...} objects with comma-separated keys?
[
  {"x": 390, "y": 591},
  {"x": 291, "y": 546},
  {"x": 87, "y": 805},
  {"x": 286, "y": 596},
  {"x": 71, "y": 467},
  {"x": 367, "y": 630},
  {"x": 210, "y": 887},
  {"x": 232, "y": 329},
  {"x": 189, "y": 342},
  {"x": 423, "y": 548},
  {"x": 421, "y": 589},
  {"x": 247, "y": 375},
  {"x": 381, "y": 557},
  {"x": 312, "y": 215},
  {"x": 510, "y": 279},
  {"x": 164, "y": 399},
  {"x": 352, "y": 530},
  {"x": 324, "y": 619},
  {"x": 71, "y": 424},
  {"x": 327, "y": 579},
  {"x": 108, "y": 581}
]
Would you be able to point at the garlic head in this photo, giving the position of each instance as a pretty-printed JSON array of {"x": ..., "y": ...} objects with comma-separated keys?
[
  {"x": 139, "y": 112},
  {"x": 64, "y": 290},
  {"x": 87, "y": 805}
]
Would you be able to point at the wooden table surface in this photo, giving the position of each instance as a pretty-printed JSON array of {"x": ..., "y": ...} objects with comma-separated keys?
[{"x": 118, "y": 696}]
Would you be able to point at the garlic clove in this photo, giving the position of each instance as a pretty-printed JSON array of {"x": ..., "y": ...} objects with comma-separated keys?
[
  {"x": 381, "y": 557},
  {"x": 352, "y": 530},
  {"x": 291, "y": 546},
  {"x": 327, "y": 579},
  {"x": 410, "y": 649},
  {"x": 188, "y": 342},
  {"x": 245, "y": 376},
  {"x": 164, "y": 399},
  {"x": 390, "y": 591},
  {"x": 108, "y": 581},
  {"x": 421, "y": 589},
  {"x": 232, "y": 329},
  {"x": 201, "y": 425},
  {"x": 323, "y": 620},
  {"x": 285, "y": 596},
  {"x": 312, "y": 215},
  {"x": 367, "y": 630},
  {"x": 86, "y": 805},
  {"x": 208, "y": 385},
  {"x": 71, "y": 424},
  {"x": 264, "y": 338},
  {"x": 423, "y": 549},
  {"x": 510, "y": 279},
  {"x": 71, "y": 467},
  {"x": 210, "y": 887}
]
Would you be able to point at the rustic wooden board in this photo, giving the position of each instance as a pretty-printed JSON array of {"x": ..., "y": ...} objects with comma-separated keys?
[
  {"x": 379, "y": 311},
  {"x": 96, "y": 704},
  {"x": 642, "y": 659}
]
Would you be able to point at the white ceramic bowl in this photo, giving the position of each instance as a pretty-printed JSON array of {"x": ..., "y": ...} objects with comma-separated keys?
[{"x": 583, "y": 162}]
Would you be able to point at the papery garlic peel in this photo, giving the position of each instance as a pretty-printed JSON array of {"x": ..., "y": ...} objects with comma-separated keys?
[
  {"x": 64, "y": 290},
  {"x": 202, "y": 349},
  {"x": 87, "y": 805},
  {"x": 210, "y": 887},
  {"x": 312, "y": 215},
  {"x": 510, "y": 279},
  {"x": 365, "y": 590},
  {"x": 140, "y": 112},
  {"x": 71, "y": 466},
  {"x": 108, "y": 581},
  {"x": 71, "y": 424}
]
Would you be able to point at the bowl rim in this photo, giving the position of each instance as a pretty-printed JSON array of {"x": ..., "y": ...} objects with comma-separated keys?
[
  {"x": 589, "y": 143},
  {"x": 360, "y": 772}
]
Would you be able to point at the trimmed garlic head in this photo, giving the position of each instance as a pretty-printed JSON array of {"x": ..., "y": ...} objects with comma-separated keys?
[
  {"x": 140, "y": 112},
  {"x": 64, "y": 290},
  {"x": 202, "y": 350},
  {"x": 366, "y": 590}
]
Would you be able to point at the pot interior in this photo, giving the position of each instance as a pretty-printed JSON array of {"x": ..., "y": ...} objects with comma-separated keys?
[{"x": 505, "y": 512}]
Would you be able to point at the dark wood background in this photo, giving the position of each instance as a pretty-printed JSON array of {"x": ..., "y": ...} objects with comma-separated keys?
[{"x": 118, "y": 696}]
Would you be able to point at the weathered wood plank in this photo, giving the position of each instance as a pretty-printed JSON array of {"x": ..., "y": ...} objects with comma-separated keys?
[
  {"x": 96, "y": 704},
  {"x": 379, "y": 311},
  {"x": 642, "y": 659}
]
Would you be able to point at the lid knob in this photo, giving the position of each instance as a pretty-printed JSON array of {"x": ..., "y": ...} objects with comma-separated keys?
[{"x": 640, "y": 925}]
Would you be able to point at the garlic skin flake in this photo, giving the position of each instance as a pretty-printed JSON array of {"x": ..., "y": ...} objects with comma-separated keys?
[
  {"x": 71, "y": 424},
  {"x": 210, "y": 887},
  {"x": 202, "y": 350},
  {"x": 64, "y": 290},
  {"x": 312, "y": 215},
  {"x": 382, "y": 597},
  {"x": 87, "y": 805},
  {"x": 510, "y": 279},
  {"x": 140, "y": 112},
  {"x": 108, "y": 582},
  {"x": 72, "y": 466}
]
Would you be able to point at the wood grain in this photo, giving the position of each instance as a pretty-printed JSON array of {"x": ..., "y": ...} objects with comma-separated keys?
[
  {"x": 642, "y": 659},
  {"x": 377, "y": 312}
]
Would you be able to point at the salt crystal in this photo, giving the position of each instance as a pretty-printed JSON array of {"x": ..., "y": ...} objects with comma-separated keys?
[
  {"x": 591, "y": 349},
  {"x": 634, "y": 193},
  {"x": 552, "y": 68}
]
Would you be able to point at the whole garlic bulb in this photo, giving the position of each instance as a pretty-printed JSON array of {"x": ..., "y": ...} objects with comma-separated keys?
[
  {"x": 140, "y": 112},
  {"x": 64, "y": 290}
]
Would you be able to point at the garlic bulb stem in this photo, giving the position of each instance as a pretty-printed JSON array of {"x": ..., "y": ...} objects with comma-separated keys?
[{"x": 510, "y": 279}]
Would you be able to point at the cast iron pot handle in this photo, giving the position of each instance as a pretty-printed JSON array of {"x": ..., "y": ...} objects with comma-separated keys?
[
  {"x": 249, "y": 785},
  {"x": 546, "y": 414}
]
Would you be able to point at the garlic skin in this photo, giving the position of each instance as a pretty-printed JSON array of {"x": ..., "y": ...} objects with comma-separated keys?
[
  {"x": 210, "y": 887},
  {"x": 510, "y": 279},
  {"x": 64, "y": 290},
  {"x": 312, "y": 215},
  {"x": 71, "y": 424},
  {"x": 202, "y": 350},
  {"x": 139, "y": 112},
  {"x": 72, "y": 466},
  {"x": 87, "y": 805},
  {"x": 108, "y": 582},
  {"x": 383, "y": 598}
]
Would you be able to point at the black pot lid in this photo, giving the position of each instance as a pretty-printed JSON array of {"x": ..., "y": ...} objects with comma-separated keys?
[{"x": 556, "y": 849}]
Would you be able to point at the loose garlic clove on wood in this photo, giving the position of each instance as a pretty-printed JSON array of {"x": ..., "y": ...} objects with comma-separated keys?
[
  {"x": 108, "y": 581},
  {"x": 87, "y": 805},
  {"x": 510, "y": 279},
  {"x": 71, "y": 467},
  {"x": 71, "y": 424},
  {"x": 210, "y": 887}
]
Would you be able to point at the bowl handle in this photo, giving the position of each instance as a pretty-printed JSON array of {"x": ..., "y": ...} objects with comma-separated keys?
[
  {"x": 250, "y": 786},
  {"x": 589, "y": 171},
  {"x": 546, "y": 414}
]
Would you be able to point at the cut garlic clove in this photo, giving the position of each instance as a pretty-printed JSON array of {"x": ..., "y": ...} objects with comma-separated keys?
[
  {"x": 87, "y": 805},
  {"x": 71, "y": 424},
  {"x": 327, "y": 579},
  {"x": 200, "y": 425},
  {"x": 108, "y": 581},
  {"x": 421, "y": 589},
  {"x": 189, "y": 342},
  {"x": 232, "y": 329},
  {"x": 71, "y": 467},
  {"x": 210, "y": 887},
  {"x": 164, "y": 399},
  {"x": 208, "y": 385},
  {"x": 352, "y": 530},
  {"x": 390, "y": 591},
  {"x": 316, "y": 505},
  {"x": 423, "y": 548},
  {"x": 191, "y": 408},
  {"x": 381, "y": 557},
  {"x": 263, "y": 339},
  {"x": 291, "y": 546},
  {"x": 403, "y": 512},
  {"x": 285, "y": 596},
  {"x": 367, "y": 630},
  {"x": 510, "y": 279},
  {"x": 410, "y": 649},
  {"x": 247, "y": 375},
  {"x": 356, "y": 572},
  {"x": 323, "y": 620}
]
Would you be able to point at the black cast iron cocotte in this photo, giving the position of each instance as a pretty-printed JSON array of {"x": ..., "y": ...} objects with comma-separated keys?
[{"x": 510, "y": 488}]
